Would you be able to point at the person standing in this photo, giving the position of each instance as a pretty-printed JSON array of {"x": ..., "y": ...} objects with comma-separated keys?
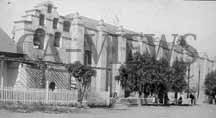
[
  {"x": 180, "y": 100},
  {"x": 193, "y": 99}
]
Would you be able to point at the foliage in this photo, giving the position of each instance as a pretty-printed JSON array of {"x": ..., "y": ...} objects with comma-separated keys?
[
  {"x": 178, "y": 82},
  {"x": 83, "y": 75},
  {"x": 146, "y": 75},
  {"x": 210, "y": 84}
]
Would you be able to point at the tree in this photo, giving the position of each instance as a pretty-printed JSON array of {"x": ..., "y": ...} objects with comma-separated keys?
[
  {"x": 178, "y": 82},
  {"x": 131, "y": 75},
  {"x": 146, "y": 75},
  {"x": 125, "y": 80},
  {"x": 83, "y": 75},
  {"x": 210, "y": 84}
]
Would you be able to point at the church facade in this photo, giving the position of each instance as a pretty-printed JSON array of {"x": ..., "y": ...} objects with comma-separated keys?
[{"x": 44, "y": 34}]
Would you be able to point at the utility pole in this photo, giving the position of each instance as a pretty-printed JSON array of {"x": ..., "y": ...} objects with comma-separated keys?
[
  {"x": 198, "y": 82},
  {"x": 188, "y": 80},
  {"x": 1, "y": 73},
  {"x": 172, "y": 50}
]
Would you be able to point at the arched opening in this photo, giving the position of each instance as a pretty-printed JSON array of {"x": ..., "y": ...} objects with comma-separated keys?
[
  {"x": 87, "y": 57},
  {"x": 41, "y": 19},
  {"x": 55, "y": 23},
  {"x": 49, "y": 9},
  {"x": 66, "y": 26},
  {"x": 52, "y": 86},
  {"x": 87, "y": 50},
  {"x": 57, "y": 38},
  {"x": 38, "y": 39}
]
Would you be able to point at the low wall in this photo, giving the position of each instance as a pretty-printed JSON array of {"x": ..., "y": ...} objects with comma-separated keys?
[{"x": 97, "y": 99}]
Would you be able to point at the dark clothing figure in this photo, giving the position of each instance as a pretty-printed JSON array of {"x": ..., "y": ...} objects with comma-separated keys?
[
  {"x": 192, "y": 97},
  {"x": 180, "y": 100},
  {"x": 52, "y": 86},
  {"x": 166, "y": 99},
  {"x": 115, "y": 95},
  {"x": 156, "y": 99},
  {"x": 215, "y": 99}
]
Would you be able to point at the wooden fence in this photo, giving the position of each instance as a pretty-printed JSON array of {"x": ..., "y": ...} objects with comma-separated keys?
[{"x": 44, "y": 96}]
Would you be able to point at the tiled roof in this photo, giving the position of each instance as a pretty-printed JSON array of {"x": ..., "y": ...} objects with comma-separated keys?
[
  {"x": 92, "y": 24},
  {"x": 6, "y": 43},
  {"x": 192, "y": 51},
  {"x": 177, "y": 48},
  {"x": 163, "y": 42}
]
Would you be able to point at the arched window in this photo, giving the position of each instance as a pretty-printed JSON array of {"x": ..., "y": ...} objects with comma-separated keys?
[
  {"x": 87, "y": 57},
  {"x": 41, "y": 19},
  {"x": 38, "y": 39},
  {"x": 57, "y": 38},
  {"x": 49, "y": 9},
  {"x": 66, "y": 26},
  {"x": 55, "y": 23}
]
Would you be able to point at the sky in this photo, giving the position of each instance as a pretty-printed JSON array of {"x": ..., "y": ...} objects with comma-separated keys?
[{"x": 148, "y": 16}]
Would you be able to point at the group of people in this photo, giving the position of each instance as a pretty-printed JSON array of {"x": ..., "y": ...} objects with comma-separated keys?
[
  {"x": 192, "y": 99},
  {"x": 157, "y": 100}
]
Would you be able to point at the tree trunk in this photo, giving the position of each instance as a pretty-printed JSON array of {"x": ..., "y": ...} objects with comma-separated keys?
[
  {"x": 83, "y": 93},
  {"x": 166, "y": 98},
  {"x": 140, "y": 94},
  {"x": 127, "y": 94},
  {"x": 176, "y": 97},
  {"x": 70, "y": 76},
  {"x": 161, "y": 97},
  {"x": 145, "y": 98},
  {"x": 79, "y": 93}
]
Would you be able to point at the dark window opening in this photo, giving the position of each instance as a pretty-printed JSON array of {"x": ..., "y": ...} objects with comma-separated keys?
[
  {"x": 49, "y": 9},
  {"x": 57, "y": 38},
  {"x": 38, "y": 39},
  {"x": 66, "y": 26},
  {"x": 52, "y": 86},
  {"x": 87, "y": 57},
  {"x": 55, "y": 23},
  {"x": 41, "y": 20}
]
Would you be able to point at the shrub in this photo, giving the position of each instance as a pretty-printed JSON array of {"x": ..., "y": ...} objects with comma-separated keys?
[{"x": 210, "y": 84}]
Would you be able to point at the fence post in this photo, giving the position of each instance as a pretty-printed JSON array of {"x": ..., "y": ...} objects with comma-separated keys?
[
  {"x": 108, "y": 97},
  {"x": 47, "y": 92},
  {"x": 2, "y": 79},
  {"x": 1, "y": 73}
]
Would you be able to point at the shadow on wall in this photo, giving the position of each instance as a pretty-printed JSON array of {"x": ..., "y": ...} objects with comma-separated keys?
[
  {"x": 53, "y": 50},
  {"x": 20, "y": 46},
  {"x": 11, "y": 74}
]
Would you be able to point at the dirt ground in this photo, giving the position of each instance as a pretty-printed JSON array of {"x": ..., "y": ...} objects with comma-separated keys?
[{"x": 198, "y": 111}]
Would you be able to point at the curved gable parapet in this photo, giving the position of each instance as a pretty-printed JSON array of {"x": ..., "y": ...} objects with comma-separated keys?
[
  {"x": 7, "y": 44},
  {"x": 163, "y": 43},
  {"x": 191, "y": 51}
]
